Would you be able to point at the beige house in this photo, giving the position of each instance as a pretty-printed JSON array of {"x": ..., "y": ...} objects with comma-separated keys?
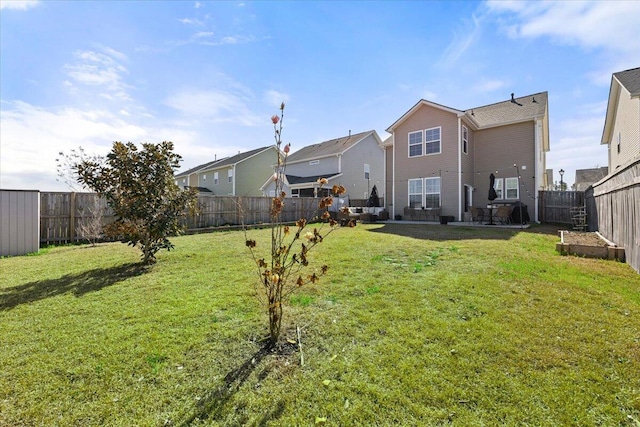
[
  {"x": 239, "y": 175},
  {"x": 586, "y": 177},
  {"x": 354, "y": 161},
  {"x": 622, "y": 123},
  {"x": 441, "y": 158}
]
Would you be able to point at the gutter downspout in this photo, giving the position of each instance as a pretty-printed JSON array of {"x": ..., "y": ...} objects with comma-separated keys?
[
  {"x": 459, "y": 169},
  {"x": 234, "y": 181},
  {"x": 393, "y": 176},
  {"x": 538, "y": 131}
]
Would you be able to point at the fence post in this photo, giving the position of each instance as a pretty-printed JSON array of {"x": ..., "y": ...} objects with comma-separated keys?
[{"x": 72, "y": 218}]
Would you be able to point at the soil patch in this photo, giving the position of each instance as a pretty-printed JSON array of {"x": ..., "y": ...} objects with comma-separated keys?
[{"x": 583, "y": 238}]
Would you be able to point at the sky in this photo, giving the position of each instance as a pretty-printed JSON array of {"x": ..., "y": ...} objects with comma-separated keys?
[{"x": 209, "y": 75}]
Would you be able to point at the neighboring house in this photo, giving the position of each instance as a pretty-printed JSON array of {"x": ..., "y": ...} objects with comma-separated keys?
[
  {"x": 441, "y": 158},
  {"x": 354, "y": 161},
  {"x": 622, "y": 123},
  {"x": 239, "y": 175},
  {"x": 189, "y": 178},
  {"x": 586, "y": 177},
  {"x": 549, "y": 180}
]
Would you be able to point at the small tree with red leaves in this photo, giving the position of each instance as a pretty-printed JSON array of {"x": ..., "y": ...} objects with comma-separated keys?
[{"x": 283, "y": 270}]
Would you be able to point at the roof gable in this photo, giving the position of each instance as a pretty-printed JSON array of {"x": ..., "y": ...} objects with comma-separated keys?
[
  {"x": 416, "y": 107},
  {"x": 332, "y": 147},
  {"x": 514, "y": 110},
  {"x": 233, "y": 160},
  {"x": 630, "y": 80}
]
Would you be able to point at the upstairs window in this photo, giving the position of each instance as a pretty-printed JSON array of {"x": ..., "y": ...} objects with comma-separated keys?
[
  {"x": 215, "y": 178},
  {"x": 367, "y": 171},
  {"x": 314, "y": 162},
  {"x": 230, "y": 175},
  {"x": 432, "y": 141},
  {"x": 619, "y": 142},
  {"x": 465, "y": 140},
  {"x": 415, "y": 144}
]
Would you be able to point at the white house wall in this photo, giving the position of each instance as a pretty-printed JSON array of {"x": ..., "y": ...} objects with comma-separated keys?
[
  {"x": 627, "y": 125},
  {"x": 353, "y": 160}
]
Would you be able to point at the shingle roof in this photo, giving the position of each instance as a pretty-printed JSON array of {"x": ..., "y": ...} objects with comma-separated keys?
[
  {"x": 224, "y": 162},
  {"x": 510, "y": 111},
  {"x": 327, "y": 148},
  {"x": 197, "y": 168},
  {"x": 586, "y": 177},
  {"x": 237, "y": 158},
  {"x": 630, "y": 79}
]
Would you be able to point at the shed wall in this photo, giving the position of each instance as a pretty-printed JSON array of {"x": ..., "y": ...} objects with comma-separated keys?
[{"x": 19, "y": 222}]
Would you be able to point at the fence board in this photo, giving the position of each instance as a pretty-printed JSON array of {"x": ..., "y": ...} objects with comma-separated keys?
[
  {"x": 555, "y": 206},
  {"x": 64, "y": 214}
]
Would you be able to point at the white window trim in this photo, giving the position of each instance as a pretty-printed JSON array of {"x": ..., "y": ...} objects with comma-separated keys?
[
  {"x": 230, "y": 175},
  {"x": 215, "y": 178},
  {"x": 409, "y": 145},
  {"x": 409, "y": 193},
  {"x": 423, "y": 191},
  {"x": 367, "y": 171},
  {"x": 465, "y": 140},
  {"x": 314, "y": 162},
  {"x": 506, "y": 188},
  {"x": 498, "y": 185},
  {"x": 439, "y": 193},
  {"x": 424, "y": 148}
]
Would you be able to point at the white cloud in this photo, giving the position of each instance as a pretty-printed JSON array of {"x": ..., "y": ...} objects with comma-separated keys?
[
  {"x": 489, "y": 85},
  {"x": 32, "y": 137},
  {"x": 101, "y": 70},
  {"x": 462, "y": 41},
  {"x": 189, "y": 21},
  {"x": 610, "y": 25},
  {"x": 275, "y": 98},
  {"x": 214, "y": 106},
  {"x": 18, "y": 4},
  {"x": 198, "y": 5}
]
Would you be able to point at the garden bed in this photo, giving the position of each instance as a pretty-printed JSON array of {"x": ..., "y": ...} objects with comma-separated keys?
[{"x": 589, "y": 245}]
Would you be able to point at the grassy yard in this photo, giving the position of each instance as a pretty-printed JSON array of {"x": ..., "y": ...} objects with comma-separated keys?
[{"x": 416, "y": 325}]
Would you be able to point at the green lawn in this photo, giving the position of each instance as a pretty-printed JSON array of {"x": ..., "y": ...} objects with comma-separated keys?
[{"x": 416, "y": 325}]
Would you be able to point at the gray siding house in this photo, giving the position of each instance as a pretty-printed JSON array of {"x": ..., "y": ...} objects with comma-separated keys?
[
  {"x": 239, "y": 175},
  {"x": 622, "y": 123},
  {"x": 354, "y": 161},
  {"x": 441, "y": 158}
]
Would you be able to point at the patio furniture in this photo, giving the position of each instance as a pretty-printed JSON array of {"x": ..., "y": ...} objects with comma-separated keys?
[
  {"x": 477, "y": 215},
  {"x": 503, "y": 215}
]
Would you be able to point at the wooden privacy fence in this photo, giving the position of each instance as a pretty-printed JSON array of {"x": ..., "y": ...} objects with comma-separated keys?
[
  {"x": 63, "y": 215},
  {"x": 218, "y": 211},
  {"x": 555, "y": 206},
  {"x": 616, "y": 199}
]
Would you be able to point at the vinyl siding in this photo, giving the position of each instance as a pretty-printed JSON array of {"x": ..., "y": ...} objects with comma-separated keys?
[
  {"x": 251, "y": 173},
  {"x": 496, "y": 150},
  {"x": 444, "y": 164},
  {"x": 366, "y": 151},
  {"x": 326, "y": 166},
  {"x": 389, "y": 181},
  {"x": 627, "y": 124}
]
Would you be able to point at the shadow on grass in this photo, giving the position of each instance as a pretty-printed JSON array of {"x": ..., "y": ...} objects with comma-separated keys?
[
  {"x": 78, "y": 284},
  {"x": 443, "y": 232},
  {"x": 212, "y": 405}
]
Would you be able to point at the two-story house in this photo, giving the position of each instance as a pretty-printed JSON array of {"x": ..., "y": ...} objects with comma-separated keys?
[
  {"x": 442, "y": 158},
  {"x": 622, "y": 123},
  {"x": 355, "y": 161},
  {"x": 239, "y": 175}
]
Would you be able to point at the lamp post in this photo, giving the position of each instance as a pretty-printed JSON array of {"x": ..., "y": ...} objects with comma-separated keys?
[{"x": 561, "y": 182}]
